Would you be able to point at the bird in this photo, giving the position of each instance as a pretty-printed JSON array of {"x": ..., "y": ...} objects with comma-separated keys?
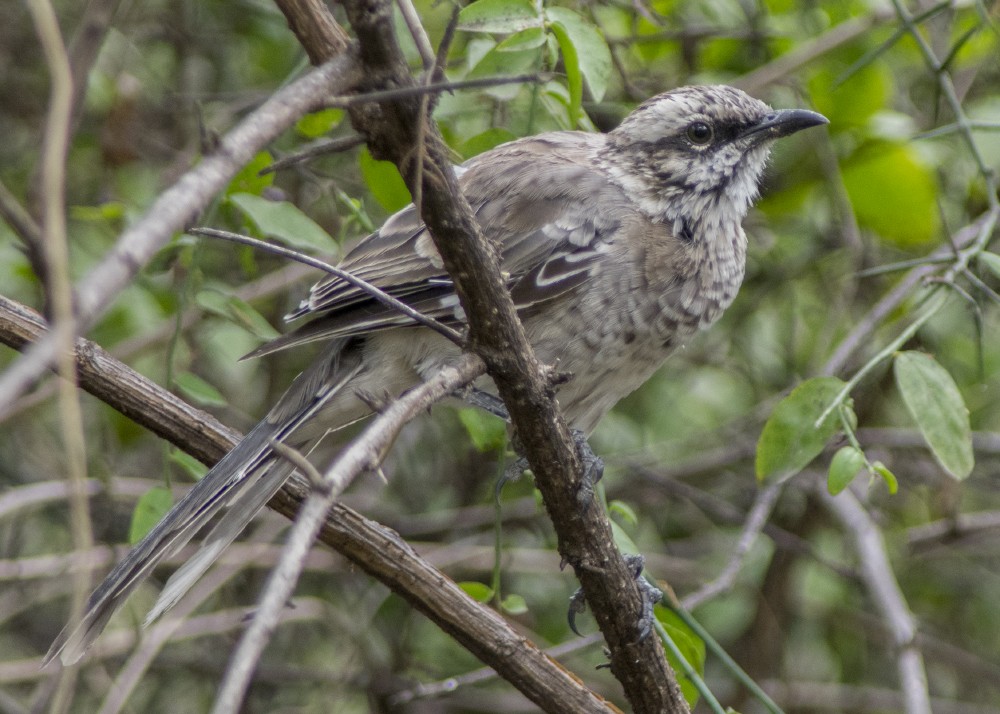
[{"x": 616, "y": 248}]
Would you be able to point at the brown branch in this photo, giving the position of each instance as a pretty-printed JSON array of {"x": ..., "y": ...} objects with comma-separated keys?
[
  {"x": 495, "y": 334},
  {"x": 377, "y": 550}
]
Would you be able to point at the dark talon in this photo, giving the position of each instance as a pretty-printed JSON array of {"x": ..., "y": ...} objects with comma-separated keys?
[
  {"x": 577, "y": 605},
  {"x": 485, "y": 401},
  {"x": 510, "y": 474}
]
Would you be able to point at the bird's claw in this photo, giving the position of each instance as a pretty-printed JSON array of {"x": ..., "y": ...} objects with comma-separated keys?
[
  {"x": 510, "y": 474},
  {"x": 577, "y": 605},
  {"x": 649, "y": 593}
]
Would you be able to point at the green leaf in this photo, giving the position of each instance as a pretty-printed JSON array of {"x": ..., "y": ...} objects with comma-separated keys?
[
  {"x": 317, "y": 124},
  {"x": 524, "y": 40},
  {"x": 514, "y": 604},
  {"x": 574, "y": 77},
  {"x": 790, "y": 439},
  {"x": 198, "y": 390},
  {"x": 384, "y": 181},
  {"x": 934, "y": 402},
  {"x": 691, "y": 646},
  {"x": 489, "y": 139},
  {"x": 194, "y": 468},
  {"x": 845, "y": 465},
  {"x": 888, "y": 476},
  {"x": 623, "y": 540},
  {"x": 153, "y": 506},
  {"x": 592, "y": 55},
  {"x": 496, "y": 63},
  {"x": 284, "y": 222},
  {"x": 244, "y": 315},
  {"x": 480, "y": 592},
  {"x": 249, "y": 180},
  {"x": 623, "y": 511},
  {"x": 894, "y": 193},
  {"x": 502, "y": 16},
  {"x": 487, "y": 432}
]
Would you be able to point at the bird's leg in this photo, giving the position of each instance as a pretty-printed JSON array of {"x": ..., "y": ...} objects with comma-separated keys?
[
  {"x": 485, "y": 401},
  {"x": 593, "y": 468},
  {"x": 648, "y": 592}
]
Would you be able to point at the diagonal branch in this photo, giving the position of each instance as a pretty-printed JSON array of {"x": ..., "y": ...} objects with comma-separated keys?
[
  {"x": 393, "y": 132},
  {"x": 374, "y": 548}
]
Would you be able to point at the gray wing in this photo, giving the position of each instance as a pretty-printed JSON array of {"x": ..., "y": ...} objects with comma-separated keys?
[{"x": 534, "y": 200}]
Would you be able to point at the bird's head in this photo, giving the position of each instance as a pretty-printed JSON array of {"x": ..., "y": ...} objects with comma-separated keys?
[{"x": 701, "y": 151}]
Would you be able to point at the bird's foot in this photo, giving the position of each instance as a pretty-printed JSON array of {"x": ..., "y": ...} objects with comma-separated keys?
[
  {"x": 649, "y": 593},
  {"x": 485, "y": 401},
  {"x": 593, "y": 468}
]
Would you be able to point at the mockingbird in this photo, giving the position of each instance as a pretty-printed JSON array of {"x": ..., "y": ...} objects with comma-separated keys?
[{"x": 617, "y": 247}]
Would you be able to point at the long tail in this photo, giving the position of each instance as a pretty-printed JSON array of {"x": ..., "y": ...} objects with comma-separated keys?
[{"x": 242, "y": 482}]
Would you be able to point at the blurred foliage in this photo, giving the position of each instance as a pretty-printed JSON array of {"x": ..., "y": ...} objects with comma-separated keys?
[{"x": 892, "y": 182}]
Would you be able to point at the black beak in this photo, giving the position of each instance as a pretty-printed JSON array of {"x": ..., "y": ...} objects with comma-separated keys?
[{"x": 784, "y": 123}]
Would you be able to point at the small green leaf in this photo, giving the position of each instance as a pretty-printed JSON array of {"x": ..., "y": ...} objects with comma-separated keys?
[
  {"x": 194, "y": 468},
  {"x": 514, "y": 604},
  {"x": 623, "y": 511},
  {"x": 888, "y": 476},
  {"x": 524, "y": 40},
  {"x": 249, "y": 180},
  {"x": 501, "y": 16},
  {"x": 384, "y": 181},
  {"x": 198, "y": 390},
  {"x": 244, "y": 315},
  {"x": 845, "y": 465},
  {"x": 574, "y": 78},
  {"x": 790, "y": 439},
  {"x": 153, "y": 506},
  {"x": 487, "y": 432},
  {"x": 284, "y": 222},
  {"x": 593, "y": 57},
  {"x": 691, "y": 646},
  {"x": 496, "y": 63},
  {"x": 623, "y": 540},
  {"x": 108, "y": 212},
  {"x": 489, "y": 139},
  {"x": 934, "y": 402},
  {"x": 480, "y": 592},
  {"x": 317, "y": 124}
]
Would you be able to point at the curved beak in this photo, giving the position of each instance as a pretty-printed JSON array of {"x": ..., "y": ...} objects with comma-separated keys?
[{"x": 784, "y": 123}]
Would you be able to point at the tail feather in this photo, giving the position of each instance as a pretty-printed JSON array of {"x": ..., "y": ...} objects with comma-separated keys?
[{"x": 242, "y": 482}]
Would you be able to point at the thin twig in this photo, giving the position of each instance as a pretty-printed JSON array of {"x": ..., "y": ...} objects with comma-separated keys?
[
  {"x": 364, "y": 452},
  {"x": 417, "y": 32},
  {"x": 877, "y": 574},
  {"x": 320, "y": 148},
  {"x": 363, "y": 285},
  {"x": 55, "y": 249}
]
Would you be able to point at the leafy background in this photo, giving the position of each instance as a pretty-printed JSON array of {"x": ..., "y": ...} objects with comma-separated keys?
[{"x": 845, "y": 216}]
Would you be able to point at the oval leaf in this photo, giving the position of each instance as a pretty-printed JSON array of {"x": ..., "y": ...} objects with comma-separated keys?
[
  {"x": 691, "y": 646},
  {"x": 153, "y": 506},
  {"x": 198, "y": 390},
  {"x": 384, "y": 181},
  {"x": 934, "y": 402},
  {"x": 480, "y": 592},
  {"x": 790, "y": 439},
  {"x": 498, "y": 16},
  {"x": 285, "y": 222},
  {"x": 845, "y": 465},
  {"x": 592, "y": 52}
]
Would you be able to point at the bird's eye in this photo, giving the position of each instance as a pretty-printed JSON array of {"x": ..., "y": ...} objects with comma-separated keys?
[{"x": 699, "y": 133}]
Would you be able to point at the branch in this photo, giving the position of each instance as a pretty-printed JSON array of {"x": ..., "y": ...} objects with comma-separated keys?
[
  {"x": 178, "y": 206},
  {"x": 877, "y": 574},
  {"x": 377, "y": 550},
  {"x": 495, "y": 334}
]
